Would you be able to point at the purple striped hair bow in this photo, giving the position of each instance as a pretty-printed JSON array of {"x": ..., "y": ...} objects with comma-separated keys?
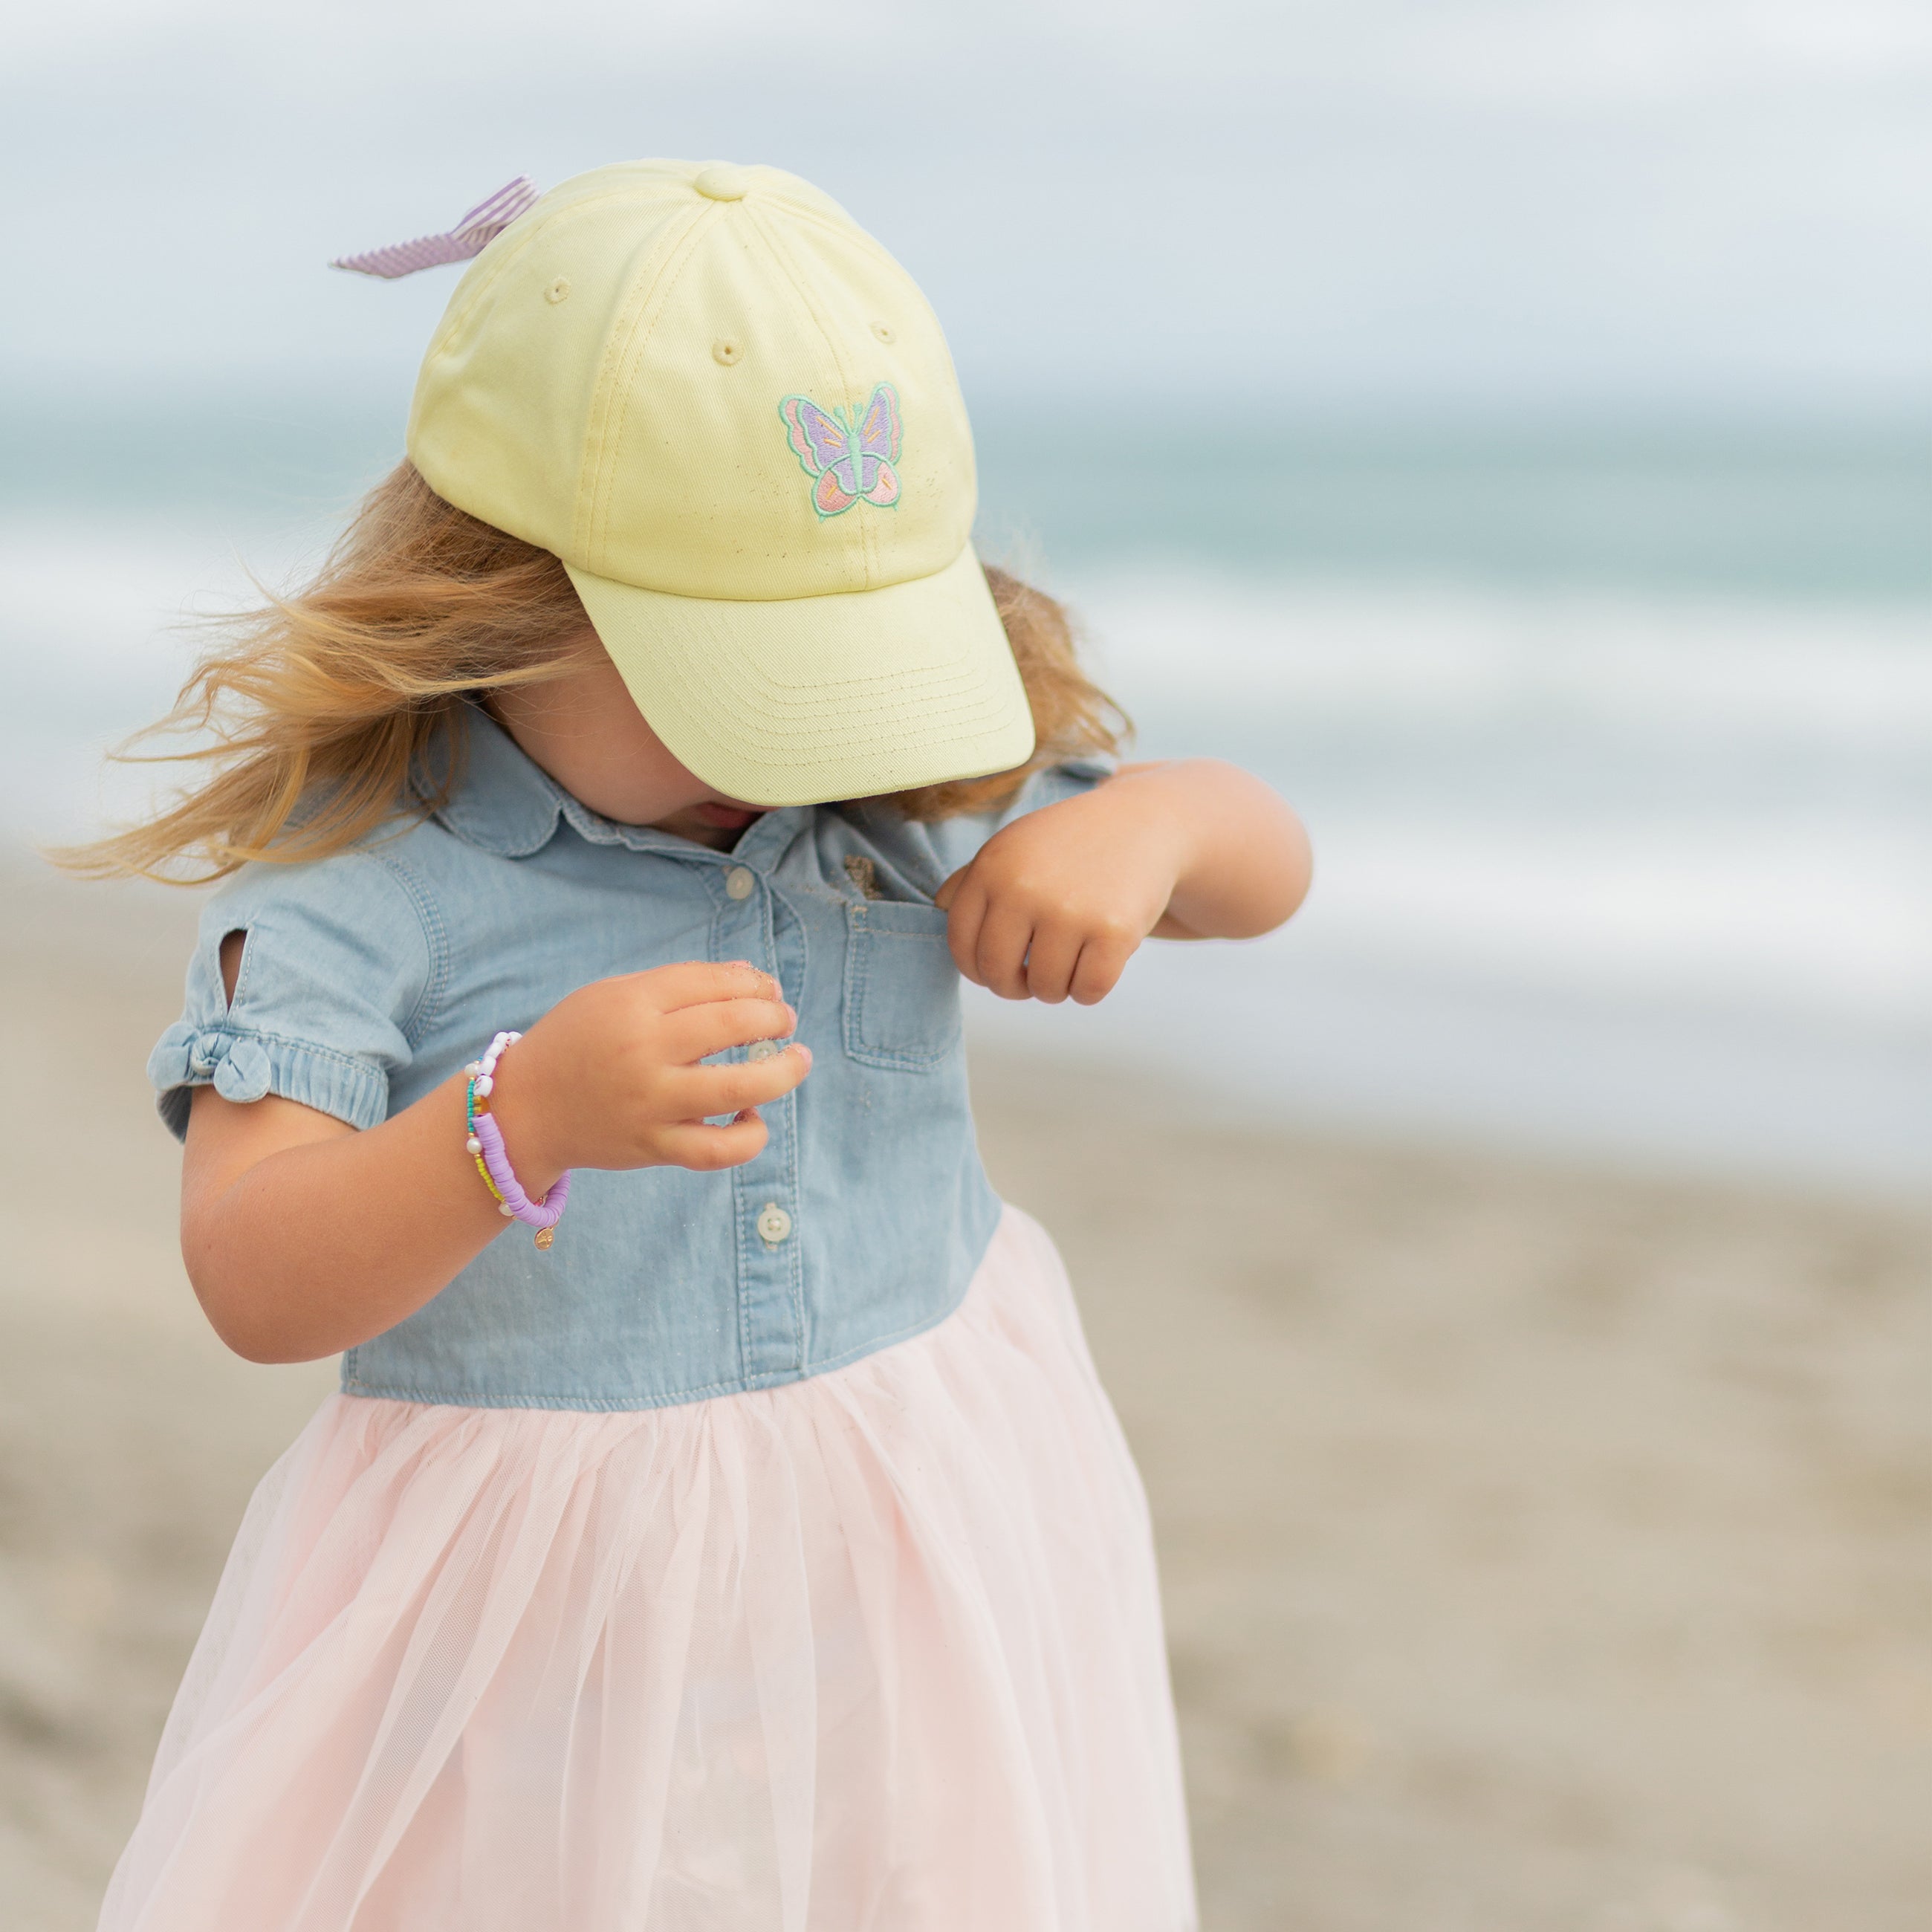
[{"x": 470, "y": 236}]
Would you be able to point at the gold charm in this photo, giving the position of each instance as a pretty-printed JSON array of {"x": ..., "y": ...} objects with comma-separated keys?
[
  {"x": 863, "y": 873},
  {"x": 545, "y": 1236}
]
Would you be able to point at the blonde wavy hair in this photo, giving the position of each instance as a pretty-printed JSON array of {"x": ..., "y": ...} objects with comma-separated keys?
[{"x": 314, "y": 716}]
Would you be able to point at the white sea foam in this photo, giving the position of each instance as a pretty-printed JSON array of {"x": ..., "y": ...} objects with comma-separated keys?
[
  {"x": 1853, "y": 672},
  {"x": 1687, "y": 798}
]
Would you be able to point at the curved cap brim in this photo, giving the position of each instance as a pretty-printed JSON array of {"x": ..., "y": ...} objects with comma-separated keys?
[{"x": 803, "y": 701}]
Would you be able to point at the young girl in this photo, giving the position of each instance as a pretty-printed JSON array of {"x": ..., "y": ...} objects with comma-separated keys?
[{"x": 720, "y": 1528}]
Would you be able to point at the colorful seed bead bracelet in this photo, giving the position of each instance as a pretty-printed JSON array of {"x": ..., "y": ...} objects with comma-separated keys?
[{"x": 485, "y": 1143}]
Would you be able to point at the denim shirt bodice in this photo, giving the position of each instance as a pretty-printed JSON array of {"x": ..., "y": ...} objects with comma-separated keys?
[{"x": 370, "y": 977}]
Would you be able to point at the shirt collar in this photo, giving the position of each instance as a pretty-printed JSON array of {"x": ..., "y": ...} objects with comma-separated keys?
[
  {"x": 501, "y": 801},
  {"x": 504, "y": 803}
]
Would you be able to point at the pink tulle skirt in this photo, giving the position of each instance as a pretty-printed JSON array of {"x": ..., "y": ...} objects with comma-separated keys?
[{"x": 877, "y": 1652}]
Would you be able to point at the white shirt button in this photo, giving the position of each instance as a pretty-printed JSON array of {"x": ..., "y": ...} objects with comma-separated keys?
[
  {"x": 774, "y": 1224},
  {"x": 739, "y": 882},
  {"x": 763, "y": 1049}
]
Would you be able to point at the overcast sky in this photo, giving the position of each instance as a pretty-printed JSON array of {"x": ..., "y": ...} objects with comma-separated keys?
[{"x": 1720, "y": 203}]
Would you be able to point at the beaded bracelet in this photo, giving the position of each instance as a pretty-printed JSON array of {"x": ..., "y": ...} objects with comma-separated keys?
[{"x": 485, "y": 1143}]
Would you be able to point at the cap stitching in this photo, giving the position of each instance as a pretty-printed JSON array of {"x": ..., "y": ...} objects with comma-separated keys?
[
  {"x": 610, "y": 407},
  {"x": 883, "y": 258},
  {"x": 711, "y": 702},
  {"x": 494, "y": 264},
  {"x": 788, "y": 267},
  {"x": 772, "y": 752},
  {"x": 843, "y": 692}
]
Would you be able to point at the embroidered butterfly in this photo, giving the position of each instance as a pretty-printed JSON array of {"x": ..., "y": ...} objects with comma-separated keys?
[{"x": 850, "y": 460}]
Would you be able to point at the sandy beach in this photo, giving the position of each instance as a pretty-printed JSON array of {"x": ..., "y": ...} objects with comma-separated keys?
[{"x": 1543, "y": 1549}]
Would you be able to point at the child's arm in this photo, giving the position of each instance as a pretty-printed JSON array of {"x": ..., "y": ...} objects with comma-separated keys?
[
  {"x": 303, "y": 1236},
  {"x": 1054, "y": 904}
]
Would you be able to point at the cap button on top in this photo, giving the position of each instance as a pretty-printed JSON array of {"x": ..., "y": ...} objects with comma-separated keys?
[{"x": 723, "y": 184}]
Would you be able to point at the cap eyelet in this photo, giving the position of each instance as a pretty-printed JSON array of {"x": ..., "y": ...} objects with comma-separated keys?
[
  {"x": 727, "y": 349},
  {"x": 885, "y": 331},
  {"x": 558, "y": 291}
]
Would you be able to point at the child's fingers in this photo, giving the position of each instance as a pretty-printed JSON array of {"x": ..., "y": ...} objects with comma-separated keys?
[
  {"x": 963, "y": 914},
  {"x": 1000, "y": 951},
  {"x": 693, "y": 1032},
  {"x": 694, "y": 981},
  {"x": 706, "y": 1149},
  {"x": 1051, "y": 956},
  {"x": 701, "y": 1092},
  {"x": 1102, "y": 962}
]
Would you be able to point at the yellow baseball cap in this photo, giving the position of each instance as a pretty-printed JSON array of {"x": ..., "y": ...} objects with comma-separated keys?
[{"x": 732, "y": 415}]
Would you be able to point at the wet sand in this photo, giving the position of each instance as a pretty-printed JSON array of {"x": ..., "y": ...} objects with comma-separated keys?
[{"x": 1543, "y": 1549}]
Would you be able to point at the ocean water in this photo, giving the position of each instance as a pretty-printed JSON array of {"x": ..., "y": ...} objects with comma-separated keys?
[
  {"x": 1596, "y": 871},
  {"x": 1612, "y": 740}
]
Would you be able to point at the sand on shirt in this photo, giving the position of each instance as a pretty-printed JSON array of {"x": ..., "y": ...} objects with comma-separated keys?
[{"x": 1542, "y": 1548}]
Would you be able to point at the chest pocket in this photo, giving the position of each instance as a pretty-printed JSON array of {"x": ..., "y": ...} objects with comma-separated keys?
[{"x": 901, "y": 987}]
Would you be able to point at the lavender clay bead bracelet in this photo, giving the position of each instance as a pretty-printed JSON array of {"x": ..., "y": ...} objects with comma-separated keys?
[{"x": 485, "y": 1144}]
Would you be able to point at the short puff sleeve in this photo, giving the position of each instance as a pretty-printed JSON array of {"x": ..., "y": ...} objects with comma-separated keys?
[{"x": 338, "y": 971}]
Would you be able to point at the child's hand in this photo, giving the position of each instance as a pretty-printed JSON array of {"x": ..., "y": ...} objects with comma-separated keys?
[
  {"x": 609, "y": 1076},
  {"x": 304, "y": 1237},
  {"x": 1055, "y": 904}
]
